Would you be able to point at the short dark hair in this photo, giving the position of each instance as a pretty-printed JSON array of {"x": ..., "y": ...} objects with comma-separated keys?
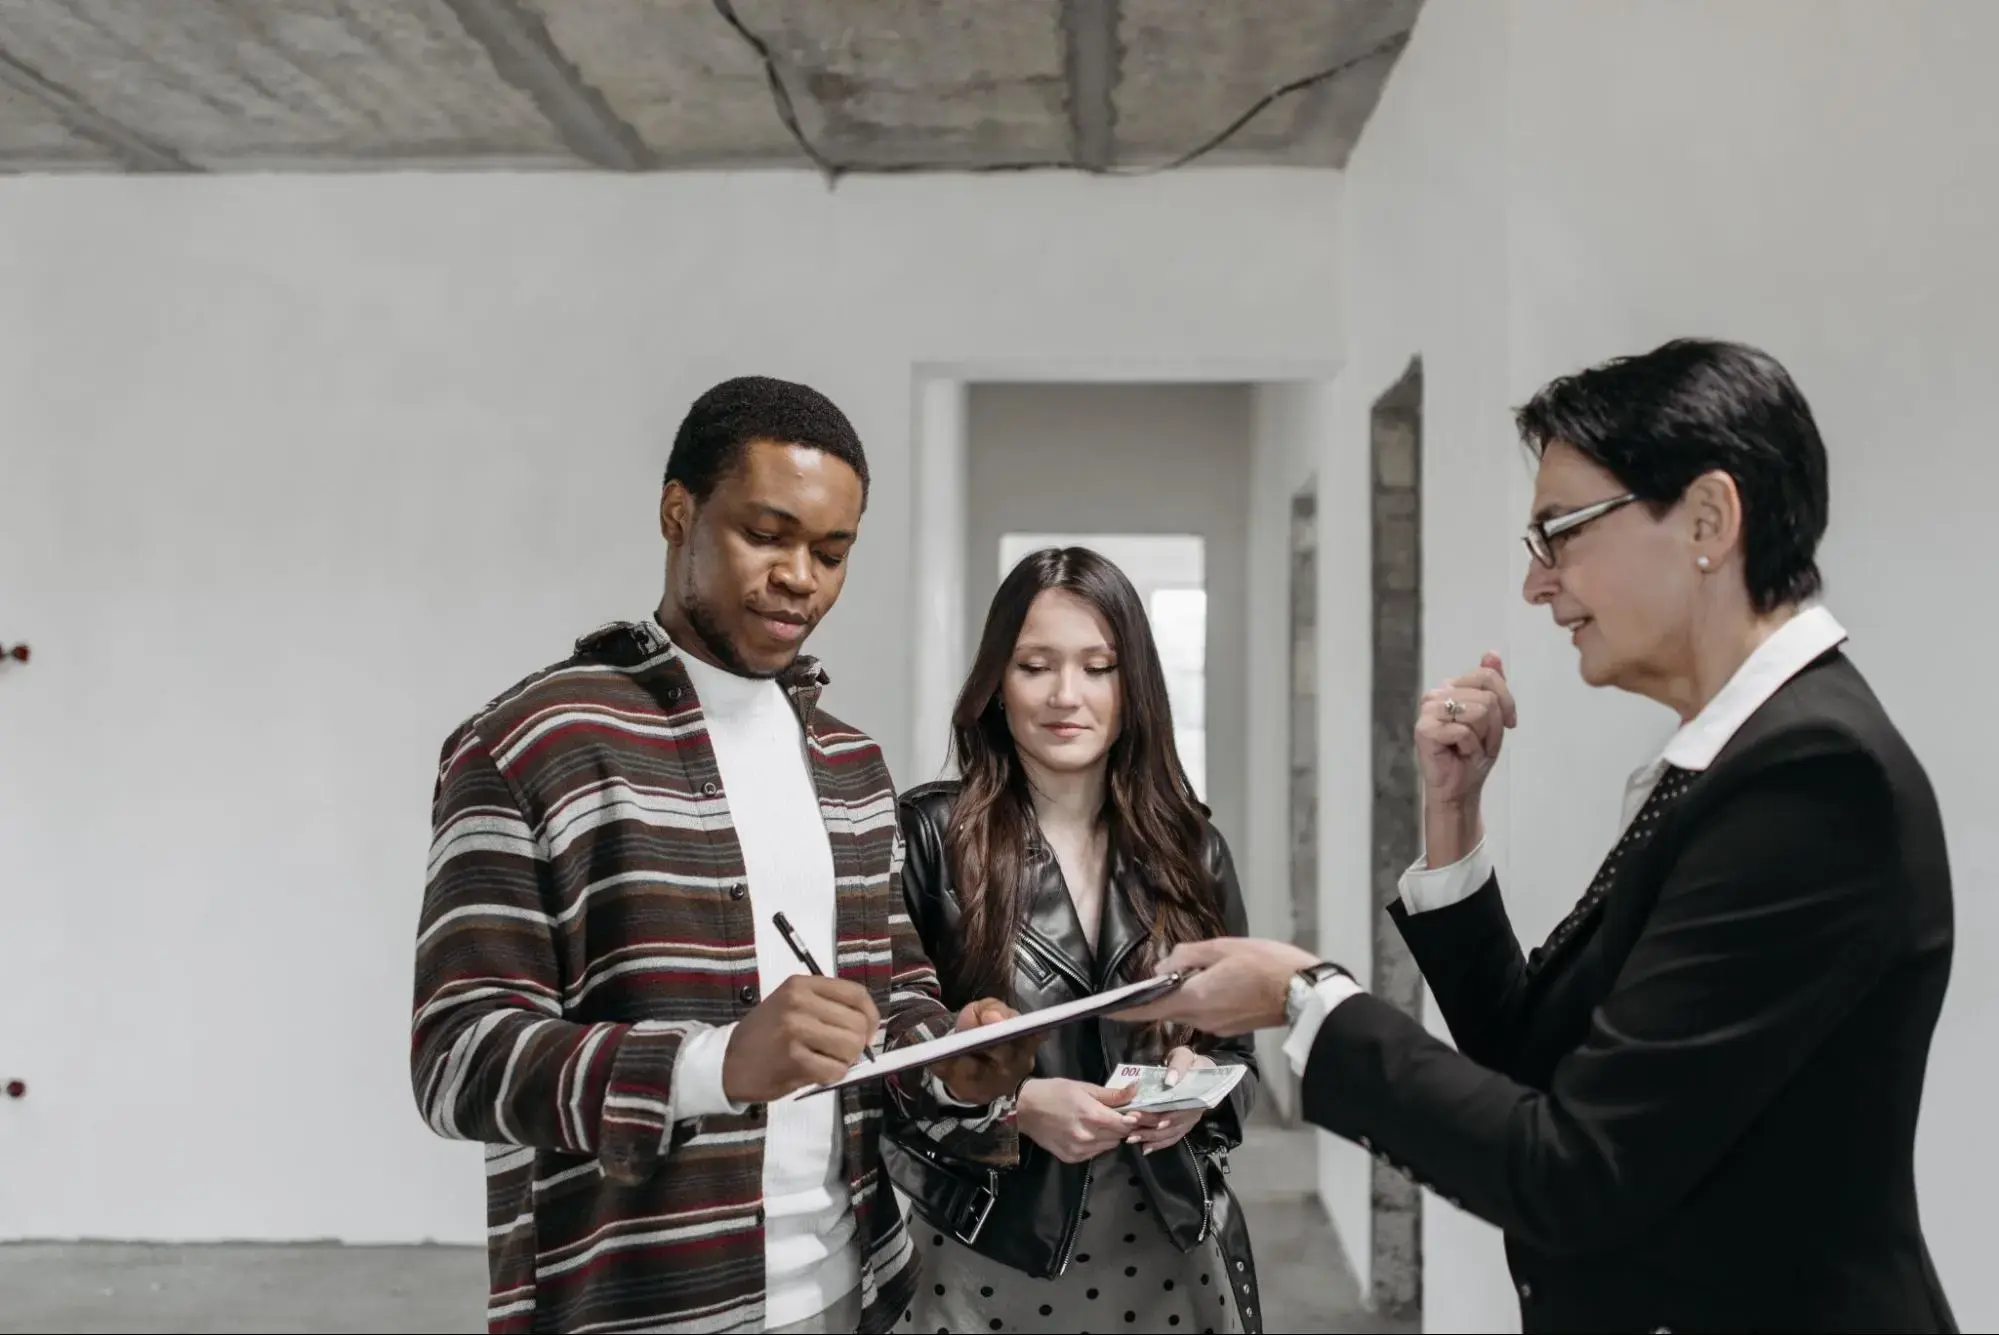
[
  {"x": 1658, "y": 420},
  {"x": 723, "y": 422}
]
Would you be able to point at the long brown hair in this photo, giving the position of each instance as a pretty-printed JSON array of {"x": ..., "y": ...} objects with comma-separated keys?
[{"x": 1151, "y": 814}]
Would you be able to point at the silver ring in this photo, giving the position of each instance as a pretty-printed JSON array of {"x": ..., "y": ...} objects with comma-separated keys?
[{"x": 1452, "y": 709}]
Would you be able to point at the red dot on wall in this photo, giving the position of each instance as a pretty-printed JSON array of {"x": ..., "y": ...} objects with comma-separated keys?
[{"x": 16, "y": 1088}]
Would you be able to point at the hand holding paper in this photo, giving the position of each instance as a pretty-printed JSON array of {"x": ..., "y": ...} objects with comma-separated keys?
[
  {"x": 1239, "y": 986},
  {"x": 994, "y": 1033},
  {"x": 989, "y": 1073}
]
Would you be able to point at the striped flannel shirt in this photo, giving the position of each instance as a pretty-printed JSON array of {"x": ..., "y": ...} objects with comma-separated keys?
[{"x": 585, "y": 911}]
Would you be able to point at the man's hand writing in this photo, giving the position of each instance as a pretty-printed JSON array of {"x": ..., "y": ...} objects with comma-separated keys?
[{"x": 810, "y": 1031}]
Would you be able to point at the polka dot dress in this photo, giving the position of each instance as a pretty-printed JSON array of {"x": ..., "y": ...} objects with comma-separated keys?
[{"x": 1126, "y": 1274}]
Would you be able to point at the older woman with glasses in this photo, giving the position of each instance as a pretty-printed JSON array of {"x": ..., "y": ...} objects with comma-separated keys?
[{"x": 1694, "y": 1106}]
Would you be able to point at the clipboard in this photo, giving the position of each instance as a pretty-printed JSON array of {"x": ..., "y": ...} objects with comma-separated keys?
[{"x": 960, "y": 1042}]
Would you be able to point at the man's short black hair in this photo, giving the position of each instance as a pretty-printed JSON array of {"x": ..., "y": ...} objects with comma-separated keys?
[
  {"x": 1659, "y": 420},
  {"x": 724, "y": 421}
]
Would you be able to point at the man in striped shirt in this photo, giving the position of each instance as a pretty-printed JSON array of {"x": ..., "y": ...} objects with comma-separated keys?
[{"x": 603, "y": 995}]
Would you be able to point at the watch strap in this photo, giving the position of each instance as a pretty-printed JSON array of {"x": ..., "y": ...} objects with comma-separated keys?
[{"x": 1302, "y": 984}]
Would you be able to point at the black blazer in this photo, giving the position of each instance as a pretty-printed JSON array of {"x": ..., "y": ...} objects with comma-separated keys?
[
  {"x": 1040, "y": 1203},
  {"x": 1700, "y": 1114}
]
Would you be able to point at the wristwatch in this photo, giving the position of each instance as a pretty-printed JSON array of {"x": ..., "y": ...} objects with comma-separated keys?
[{"x": 1303, "y": 983}]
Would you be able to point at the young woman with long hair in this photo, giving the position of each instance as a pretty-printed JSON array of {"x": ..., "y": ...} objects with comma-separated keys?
[{"x": 1069, "y": 856}]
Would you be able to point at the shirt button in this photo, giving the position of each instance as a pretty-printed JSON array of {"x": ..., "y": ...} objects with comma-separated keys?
[
  {"x": 748, "y": 994},
  {"x": 710, "y": 789},
  {"x": 1526, "y": 1291},
  {"x": 738, "y": 891},
  {"x": 673, "y": 693}
]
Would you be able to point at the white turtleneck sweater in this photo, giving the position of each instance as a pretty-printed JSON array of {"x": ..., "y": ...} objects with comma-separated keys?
[{"x": 811, "y": 1257}]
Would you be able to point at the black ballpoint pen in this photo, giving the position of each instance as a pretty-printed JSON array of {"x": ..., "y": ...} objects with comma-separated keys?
[{"x": 805, "y": 958}]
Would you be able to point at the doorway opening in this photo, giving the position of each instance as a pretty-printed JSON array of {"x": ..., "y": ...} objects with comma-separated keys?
[
  {"x": 1396, "y": 473},
  {"x": 1302, "y": 748},
  {"x": 1169, "y": 571}
]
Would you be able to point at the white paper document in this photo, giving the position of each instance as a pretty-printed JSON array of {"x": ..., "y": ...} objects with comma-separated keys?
[{"x": 963, "y": 1041}]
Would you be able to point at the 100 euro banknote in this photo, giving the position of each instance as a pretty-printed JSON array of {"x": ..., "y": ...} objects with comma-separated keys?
[{"x": 1202, "y": 1087}]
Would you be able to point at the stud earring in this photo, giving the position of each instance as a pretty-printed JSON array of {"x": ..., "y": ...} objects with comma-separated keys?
[{"x": 1701, "y": 561}]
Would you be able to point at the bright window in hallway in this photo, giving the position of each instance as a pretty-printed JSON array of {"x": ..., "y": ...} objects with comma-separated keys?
[{"x": 1169, "y": 572}]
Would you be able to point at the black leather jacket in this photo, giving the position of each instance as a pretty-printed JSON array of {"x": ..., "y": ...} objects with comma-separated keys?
[{"x": 1036, "y": 1207}]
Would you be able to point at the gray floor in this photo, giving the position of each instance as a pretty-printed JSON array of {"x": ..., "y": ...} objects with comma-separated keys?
[
  {"x": 1307, "y": 1285},
  {"x": 1307, "y": 1281}
]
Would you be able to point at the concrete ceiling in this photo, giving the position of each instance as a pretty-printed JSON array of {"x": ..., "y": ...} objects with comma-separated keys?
[{"x": 639, "y": 85}]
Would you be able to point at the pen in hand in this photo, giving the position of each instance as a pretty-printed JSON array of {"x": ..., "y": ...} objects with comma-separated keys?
[{"x": 805, "y": 957}]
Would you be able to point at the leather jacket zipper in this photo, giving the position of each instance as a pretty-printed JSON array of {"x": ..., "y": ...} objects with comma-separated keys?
[
  {"x": 1075, "y": 1230},
  {"x": 1207, "y": 1201}
]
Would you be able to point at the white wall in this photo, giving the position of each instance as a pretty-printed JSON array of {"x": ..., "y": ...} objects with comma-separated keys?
[
  {"x": 1832, "y": 194},
  {"x": 294, "y": 473},
  {"x": 1425, "y": 275},
  {"x": 1551, "y": 182},
  {"x": 1297, "y": 439},
  {"x": 1284, "y": 453},
  {"x": 1124, "y": 459}
]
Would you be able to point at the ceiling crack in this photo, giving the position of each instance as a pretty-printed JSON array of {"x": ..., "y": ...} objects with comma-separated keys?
[
  {"x": 136, "y": 151},
  {"x": 1092, "y": 57},
  {"x": 528, "y": 58}
]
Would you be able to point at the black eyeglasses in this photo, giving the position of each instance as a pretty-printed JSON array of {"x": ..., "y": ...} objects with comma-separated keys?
[{"x": 1541, "y": 534}]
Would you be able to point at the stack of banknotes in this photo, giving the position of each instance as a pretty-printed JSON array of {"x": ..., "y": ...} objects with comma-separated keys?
[{"x": 1202, "y": 1087}]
